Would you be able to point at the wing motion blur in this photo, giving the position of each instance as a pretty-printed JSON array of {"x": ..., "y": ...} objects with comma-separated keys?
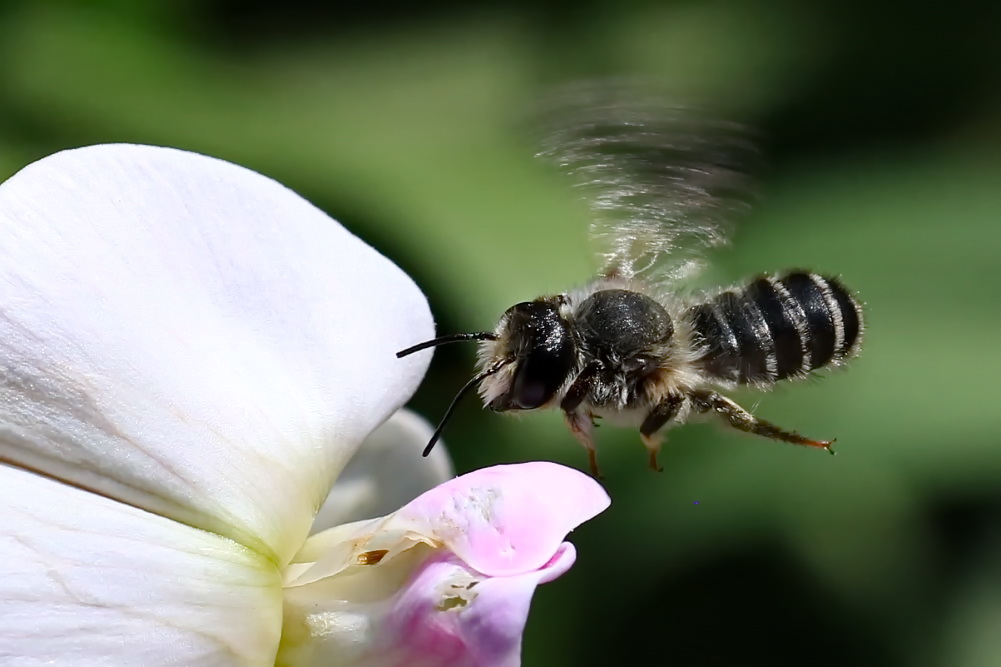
[{"x": 664, "y": 181}]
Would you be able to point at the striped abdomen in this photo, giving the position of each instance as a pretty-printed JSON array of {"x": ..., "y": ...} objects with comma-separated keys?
[{"x": 777, "y": 328}]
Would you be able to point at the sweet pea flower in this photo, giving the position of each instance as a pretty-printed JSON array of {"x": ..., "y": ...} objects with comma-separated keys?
[{"x": 190, "y": 356}]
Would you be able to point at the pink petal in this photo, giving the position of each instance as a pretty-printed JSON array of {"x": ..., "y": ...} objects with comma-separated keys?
[
  {"x": 452, "y": 616},
  {"x": 454, "y": 577},
  {"x": 508, "y": 519}
]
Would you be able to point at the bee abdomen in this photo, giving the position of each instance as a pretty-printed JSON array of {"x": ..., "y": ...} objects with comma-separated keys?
[{"x": 777, "y": 328}]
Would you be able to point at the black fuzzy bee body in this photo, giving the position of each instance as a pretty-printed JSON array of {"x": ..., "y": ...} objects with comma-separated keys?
[
  {"x": 777, "y": 329},
  {"x": 663, "y": 183}
]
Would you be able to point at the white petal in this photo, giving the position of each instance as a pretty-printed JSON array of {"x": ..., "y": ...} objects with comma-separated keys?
[
  {"x": 386, "y": 473},
  {"x": 193, "y": 338},
  {"x": 86, "y": 580}
]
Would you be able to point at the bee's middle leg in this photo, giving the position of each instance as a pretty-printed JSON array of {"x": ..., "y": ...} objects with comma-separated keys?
[{"x": 662, "y": 413}]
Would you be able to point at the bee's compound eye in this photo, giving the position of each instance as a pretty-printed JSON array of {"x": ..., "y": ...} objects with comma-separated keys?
[
  {"x": 542, "y": 371},
  {"x": 530, "y": 394}
]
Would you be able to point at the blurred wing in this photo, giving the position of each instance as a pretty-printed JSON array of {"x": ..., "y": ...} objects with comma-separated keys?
[{"x": 664, "y": 181}]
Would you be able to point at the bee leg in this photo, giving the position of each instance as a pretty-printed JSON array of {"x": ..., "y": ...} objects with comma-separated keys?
[
  {"x": 742, "y": 420},
  {"x": 582, "y": 425},
  {"x": 652, "y": 444},
  {"x": 580, "y": 387},
  {"x": 664, "y": 412}
]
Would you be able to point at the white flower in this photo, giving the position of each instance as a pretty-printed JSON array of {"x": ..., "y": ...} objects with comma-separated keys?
[{"x": 190, "y": 355}]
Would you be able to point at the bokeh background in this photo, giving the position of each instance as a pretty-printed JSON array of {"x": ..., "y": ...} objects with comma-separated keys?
[{"x": 881, "y": 123}]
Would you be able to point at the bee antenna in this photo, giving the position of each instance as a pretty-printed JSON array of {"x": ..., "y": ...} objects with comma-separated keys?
[
  {"x": 455, "y": 401},
  {"x": 454, "y": 338}
]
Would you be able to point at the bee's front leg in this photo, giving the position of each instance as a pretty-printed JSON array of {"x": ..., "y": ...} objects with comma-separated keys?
[
  {"x": 664, "y": 412},
  {"x": 580, "y": 423},
  {"x": 582, "y": 427}
]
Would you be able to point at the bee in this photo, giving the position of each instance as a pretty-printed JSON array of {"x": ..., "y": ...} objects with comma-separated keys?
[{"x": 664, "y": 184}]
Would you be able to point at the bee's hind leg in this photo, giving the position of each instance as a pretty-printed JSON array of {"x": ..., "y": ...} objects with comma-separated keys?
[
  {"x": 742, "y": 420},
  {"x": 650, "y": 429}
]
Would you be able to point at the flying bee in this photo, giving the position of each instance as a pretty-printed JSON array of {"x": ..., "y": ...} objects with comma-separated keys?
[{"x": 664, "y": 184}]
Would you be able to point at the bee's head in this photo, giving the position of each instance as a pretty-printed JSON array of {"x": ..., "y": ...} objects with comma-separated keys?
[
  {"x": 535, "y": 350},
  {"x": 523, "y": 363}
]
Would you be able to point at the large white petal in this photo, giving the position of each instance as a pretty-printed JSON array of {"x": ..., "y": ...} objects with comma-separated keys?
[
  {"x": 85, "y": 580},
  {"x": 193, "y": 338},
  {"x": 386, "y": 473}
]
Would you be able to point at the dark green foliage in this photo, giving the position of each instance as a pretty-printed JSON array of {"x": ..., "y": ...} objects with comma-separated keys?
[{"x": 881, "y": 129}]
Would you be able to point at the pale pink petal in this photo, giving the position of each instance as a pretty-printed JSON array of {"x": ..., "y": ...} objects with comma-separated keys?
[
  {"x": 507, "y": 519},
  {"x": 452, "y": 616},
  {"x": 446, "y": 580},
  {"x": 444, "y": 615}
]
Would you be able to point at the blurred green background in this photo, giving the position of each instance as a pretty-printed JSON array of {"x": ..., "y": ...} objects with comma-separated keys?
[{"x": 881, "y": 123}]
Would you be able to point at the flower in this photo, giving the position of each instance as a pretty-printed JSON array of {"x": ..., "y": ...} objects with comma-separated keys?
[{"x": 190, "y": 355}]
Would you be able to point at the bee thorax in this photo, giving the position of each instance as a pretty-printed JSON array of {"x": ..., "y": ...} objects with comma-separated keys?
[
  {"x": 619, "y": 322},
  {"x": 625, "y": 337}
]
